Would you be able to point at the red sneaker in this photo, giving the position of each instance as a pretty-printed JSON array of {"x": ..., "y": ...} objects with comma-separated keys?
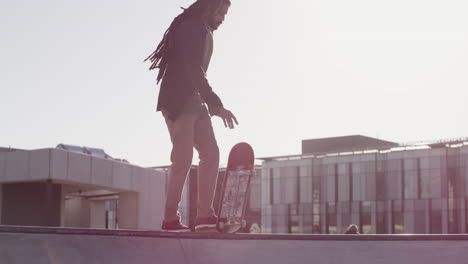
[{"x": 174, "y": 226}]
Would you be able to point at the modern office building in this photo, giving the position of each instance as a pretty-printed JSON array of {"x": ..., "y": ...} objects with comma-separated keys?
[{"x": 381, "y": 186}]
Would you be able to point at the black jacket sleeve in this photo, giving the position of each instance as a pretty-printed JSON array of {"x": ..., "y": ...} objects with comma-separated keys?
[{"x": 192, "y": 41}]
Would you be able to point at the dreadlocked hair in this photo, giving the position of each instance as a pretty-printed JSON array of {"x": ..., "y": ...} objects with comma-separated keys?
[{"x": 160, "y": 57}]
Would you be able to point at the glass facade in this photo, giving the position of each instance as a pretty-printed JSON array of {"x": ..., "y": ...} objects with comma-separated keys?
[{"x": 419, "y": 191}]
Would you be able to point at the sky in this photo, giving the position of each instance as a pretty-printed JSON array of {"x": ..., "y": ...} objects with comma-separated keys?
[{"x": 72, "y": 72}]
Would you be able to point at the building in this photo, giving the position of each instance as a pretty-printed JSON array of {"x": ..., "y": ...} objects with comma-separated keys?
[
  {"x": 382, "y": 186},
  {"x": 71, "y": 186}
]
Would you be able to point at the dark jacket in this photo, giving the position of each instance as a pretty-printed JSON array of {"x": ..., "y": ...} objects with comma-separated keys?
[{"x": 186, "y": 70}]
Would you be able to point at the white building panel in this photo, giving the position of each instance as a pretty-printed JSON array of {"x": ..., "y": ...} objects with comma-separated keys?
[
  {"x": 17, "y": 166},
  {"x": 79, "y": 168},
  {"x": 437, "y": 152},
  {"x": 464, "y": 150},
  {"x": 39, "y": 164},
  {"x": 122, "y": 174},
  {"x": 145, "y": 199},
  {"x": 2, "y": 166},
  {"x": 58, "y": 164},
  {"x": 395, "y": 155},
  {"x": 101, "y": 171},
  {"x": 157, "y": 198},
  {"x": 139, "y": 178}
]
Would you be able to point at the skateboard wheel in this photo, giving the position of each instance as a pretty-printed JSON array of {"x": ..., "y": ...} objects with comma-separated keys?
[
  {"x": 221, "y": 226},
  {"x": 243, "y": 223}
]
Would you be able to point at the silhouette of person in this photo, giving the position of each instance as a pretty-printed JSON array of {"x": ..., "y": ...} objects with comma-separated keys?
[{"x": 187, "y": 102}]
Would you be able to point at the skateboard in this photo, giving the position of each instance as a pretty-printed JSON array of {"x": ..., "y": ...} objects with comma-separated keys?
[{"x": 235, "y": 190}]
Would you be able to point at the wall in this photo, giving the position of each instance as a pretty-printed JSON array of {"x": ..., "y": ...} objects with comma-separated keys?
[
  {"x": 1, "y": 199},
  {"x": 97, "y": 213},
  {"x": 77, "y": 212},
  {"x": 127, "y": 214},
  {"x": 31, "y": 204}
]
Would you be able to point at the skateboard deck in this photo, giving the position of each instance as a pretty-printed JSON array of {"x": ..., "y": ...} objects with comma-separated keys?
[{"x": 235, "y": 190}]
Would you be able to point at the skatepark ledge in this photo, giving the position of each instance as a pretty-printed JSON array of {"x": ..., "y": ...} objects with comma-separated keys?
[{"x": 19, "y": 244}]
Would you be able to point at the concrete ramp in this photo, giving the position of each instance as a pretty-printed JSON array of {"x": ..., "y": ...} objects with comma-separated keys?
[{"x": 24, "y": 245}]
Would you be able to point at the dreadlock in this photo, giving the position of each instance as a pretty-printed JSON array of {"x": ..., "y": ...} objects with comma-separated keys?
[{"x": 160, "y": 57}]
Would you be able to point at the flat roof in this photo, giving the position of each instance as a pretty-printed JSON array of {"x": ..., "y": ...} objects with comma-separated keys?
[
  {"x": 3, "y": 149},
  {"x": 343, "y": 144},
  {"x": 430, "y": 144}
]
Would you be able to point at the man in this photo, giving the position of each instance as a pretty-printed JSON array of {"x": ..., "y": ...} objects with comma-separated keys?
[{"x": 183, "y": 56}]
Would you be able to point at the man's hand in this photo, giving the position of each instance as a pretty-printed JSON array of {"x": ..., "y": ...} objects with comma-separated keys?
[{"x": 228, "y": 118}]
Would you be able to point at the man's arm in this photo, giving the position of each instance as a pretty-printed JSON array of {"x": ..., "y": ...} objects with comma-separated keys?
[{"x": 191, "y": 42}]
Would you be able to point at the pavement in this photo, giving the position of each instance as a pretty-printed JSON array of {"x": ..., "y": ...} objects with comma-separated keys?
[{"x": 20, "y": 245}]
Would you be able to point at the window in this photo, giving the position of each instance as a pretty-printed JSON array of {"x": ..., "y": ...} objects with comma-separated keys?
[
  {"x": 293, "y": 221},
  {"x": 350, "y": 175},
  {"x": 452, "y": 207},
  {"x": 380, "y": 186},
  {"x": 343, "y": 188},
  {"x": 397, "y": 217},
  {"x": 365, "y": 217},
  {"x": 419, "y": 222},
  {"x": 381, "y": 227},
  {"x": 271, "y": 186},
  {"x": 316, "y": 204},
  {"x": 397, "y": 225},
  {"x": 436, "y": 222},
  {"x": 331, "y": 218},
  {"x": 466, "y": 216},
  {"x": 381, "y": 223},
  {"x": 418, "y": 179}
]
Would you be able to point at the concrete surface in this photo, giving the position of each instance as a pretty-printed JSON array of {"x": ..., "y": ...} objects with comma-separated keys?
[{"x": 62, "y": 245}]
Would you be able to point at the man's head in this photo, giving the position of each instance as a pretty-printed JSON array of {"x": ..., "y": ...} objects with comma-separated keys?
[
  {"x": 212, "y": 12},
  {"x": 216, "y": 13}
]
